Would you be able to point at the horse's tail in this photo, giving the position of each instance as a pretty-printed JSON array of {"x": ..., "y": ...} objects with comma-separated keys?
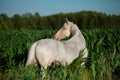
[{"x": 31, "y": 55}]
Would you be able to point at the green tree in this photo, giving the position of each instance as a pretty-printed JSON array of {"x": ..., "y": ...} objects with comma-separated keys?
[
  {"x": 4, "y": 20},
  {"x": 17, "y": 21}
]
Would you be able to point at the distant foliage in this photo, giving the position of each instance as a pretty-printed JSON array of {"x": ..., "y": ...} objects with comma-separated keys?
[{"x": 84, "y": 19}]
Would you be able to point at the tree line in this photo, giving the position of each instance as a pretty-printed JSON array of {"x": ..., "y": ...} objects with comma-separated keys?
[{"x": 84, "y": 19}]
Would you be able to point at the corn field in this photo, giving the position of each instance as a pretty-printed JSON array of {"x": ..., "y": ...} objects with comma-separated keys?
[{"x": 103, "y": 62}]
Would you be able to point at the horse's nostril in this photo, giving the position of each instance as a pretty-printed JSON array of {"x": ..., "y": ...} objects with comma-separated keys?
[{"x": 56, "y": 38}]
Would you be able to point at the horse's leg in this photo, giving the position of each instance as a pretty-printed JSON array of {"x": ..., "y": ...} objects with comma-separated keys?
[
  {"x": 43, "y": 71},
  {"x": 85, "y": 55},
  {"x": 44, "y": 64}
]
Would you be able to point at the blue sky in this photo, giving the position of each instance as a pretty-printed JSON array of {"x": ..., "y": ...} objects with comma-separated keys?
[{"x": 48, "y": 7}]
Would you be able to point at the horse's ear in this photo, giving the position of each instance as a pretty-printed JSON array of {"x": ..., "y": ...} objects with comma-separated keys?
[{"x": 67, "y": 20}]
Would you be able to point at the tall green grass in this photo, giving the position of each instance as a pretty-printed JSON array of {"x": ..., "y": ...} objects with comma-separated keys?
[{"x": 103, "y": 62}]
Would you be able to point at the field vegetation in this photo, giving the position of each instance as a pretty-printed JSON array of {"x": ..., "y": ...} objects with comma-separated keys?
[
  {"x": 101, "y": 31},
  {"x": 103, "y": 62}
]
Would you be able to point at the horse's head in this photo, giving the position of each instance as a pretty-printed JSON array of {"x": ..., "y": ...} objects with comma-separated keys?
[{"x": 64, "y": 31}]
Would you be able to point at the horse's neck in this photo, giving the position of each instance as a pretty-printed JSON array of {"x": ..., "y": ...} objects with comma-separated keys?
[
  {"x": 76, "y": 42},
  {"x": 77, "y": 36}
]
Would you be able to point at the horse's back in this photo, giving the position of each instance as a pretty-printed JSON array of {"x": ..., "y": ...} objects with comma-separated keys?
[
  {"x": 49, "y": 50},
  {"x": 46, "y": 45}
]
